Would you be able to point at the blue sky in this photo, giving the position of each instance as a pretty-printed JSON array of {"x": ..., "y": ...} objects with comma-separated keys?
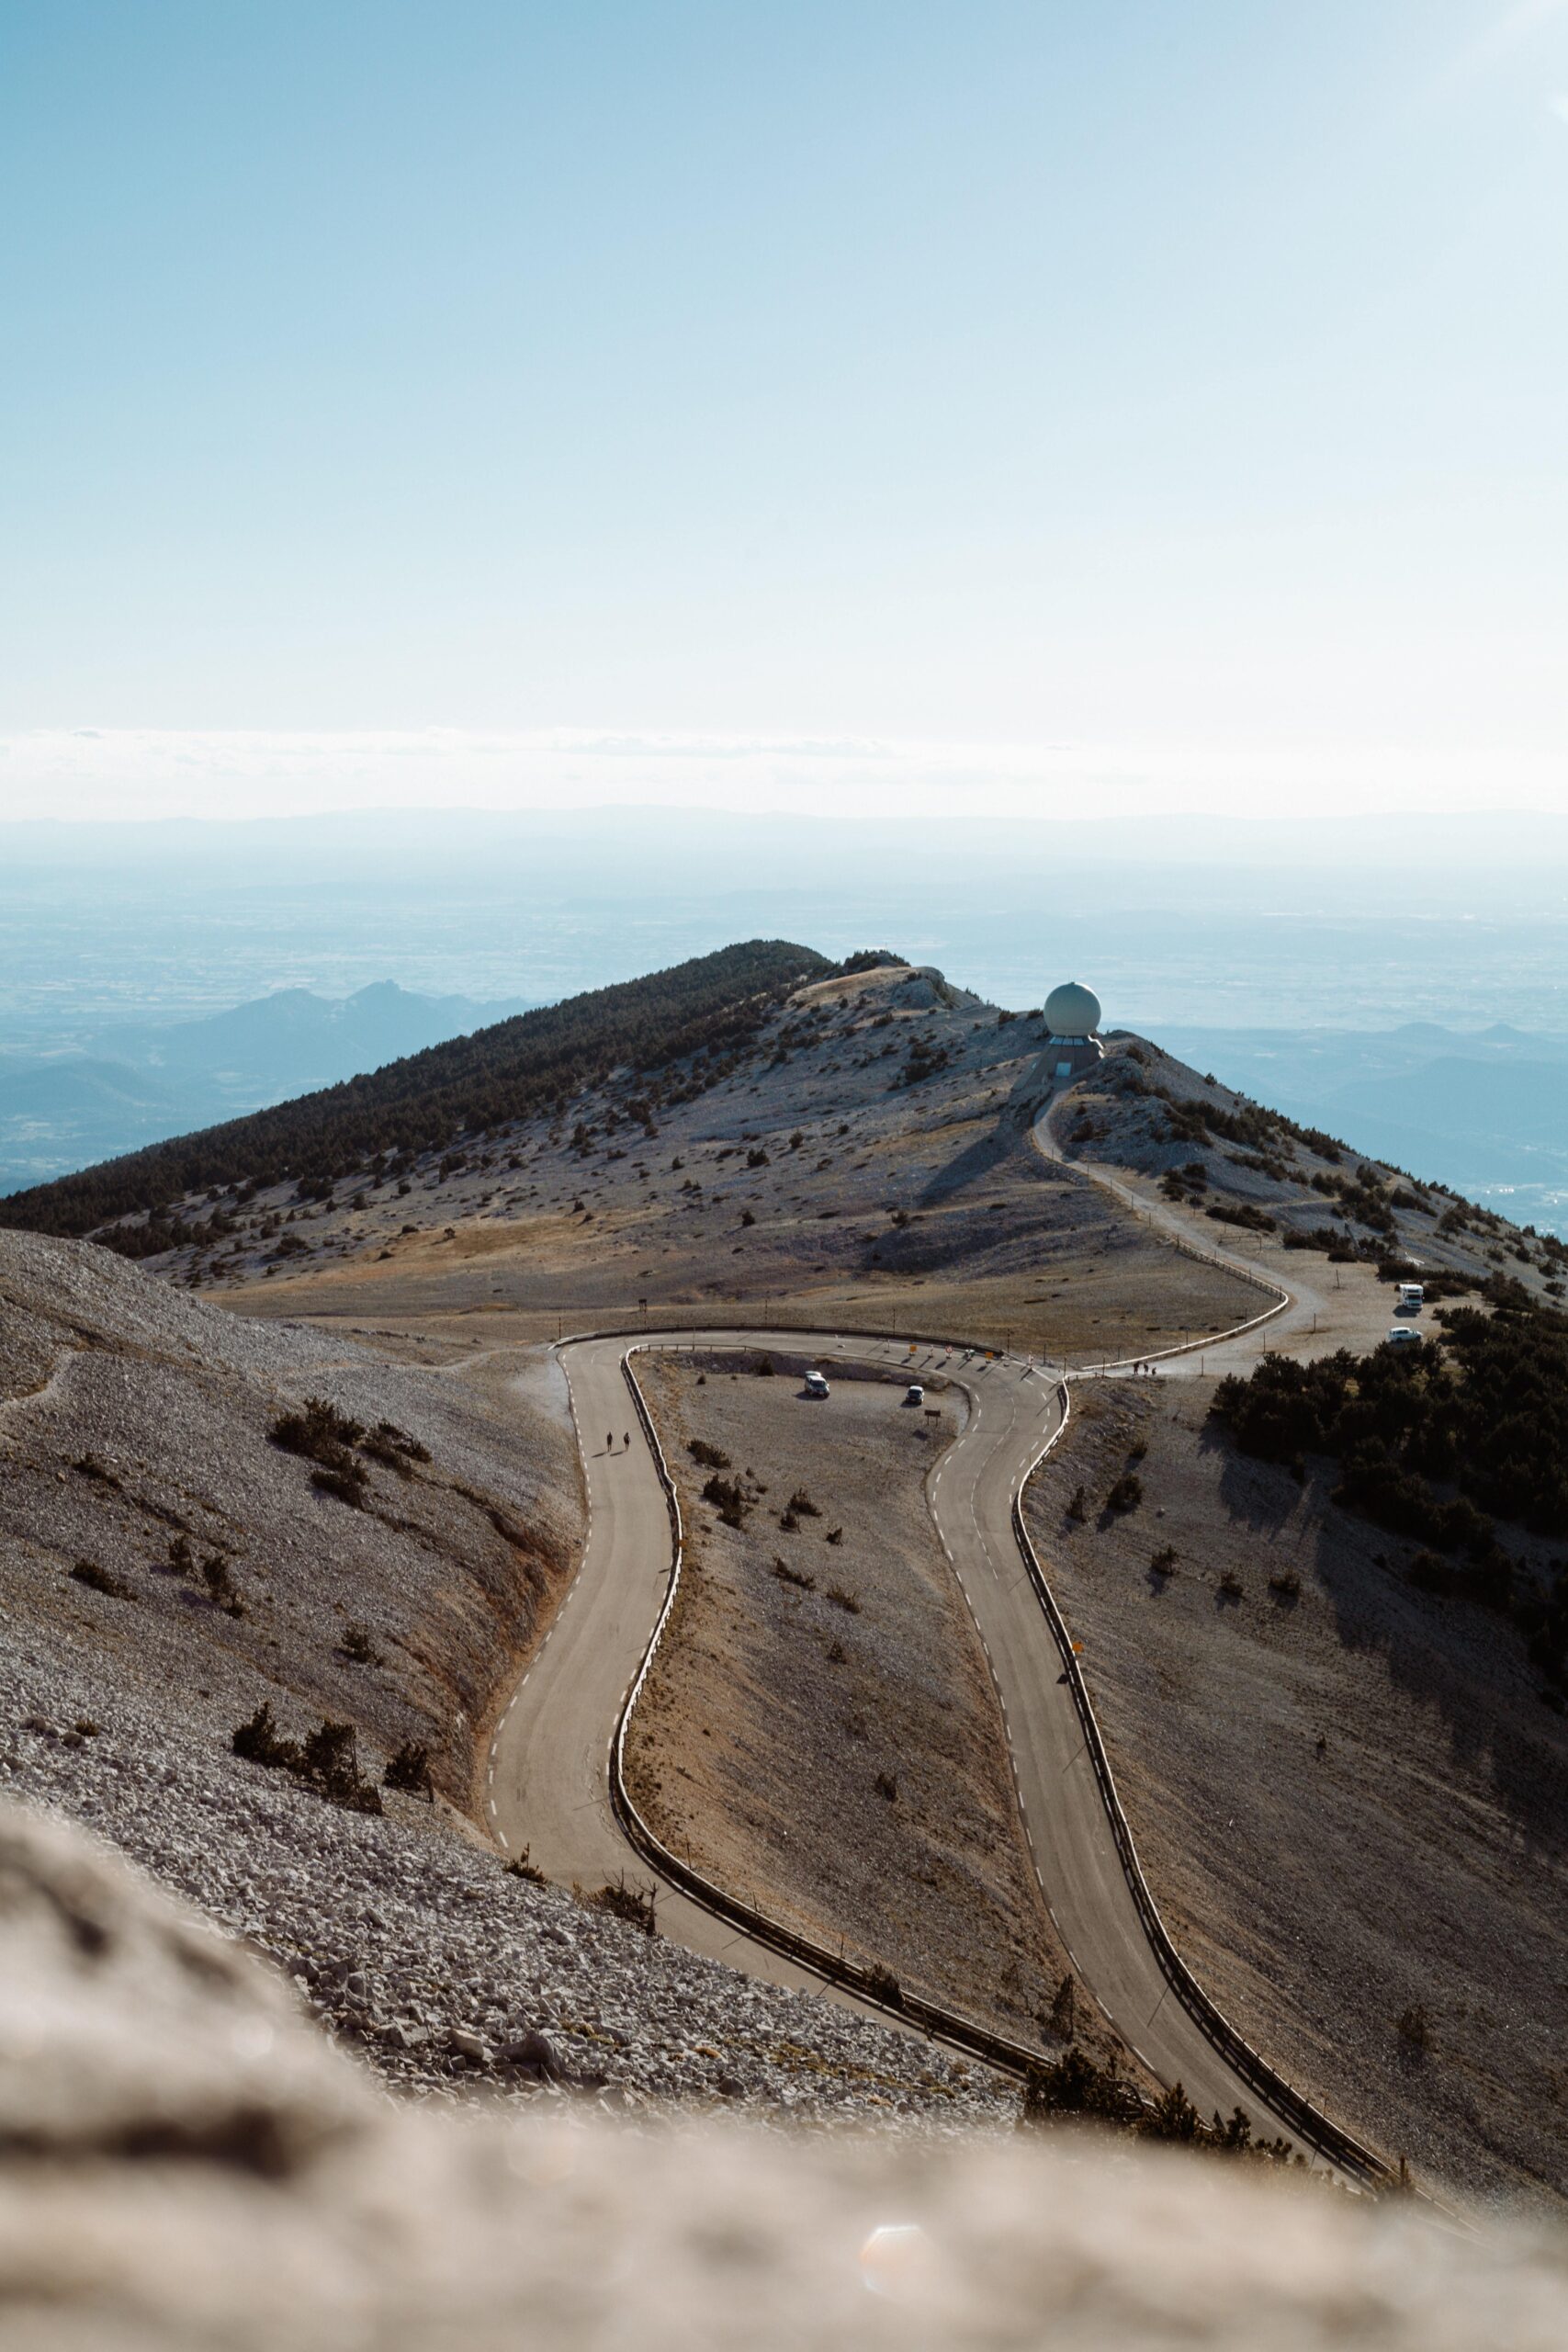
[{"x": 1092, "y": 396}]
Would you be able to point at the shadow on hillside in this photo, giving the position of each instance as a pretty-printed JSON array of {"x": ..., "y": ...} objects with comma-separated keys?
[
  {"x": 982, "y": 1158},
  {"x": 1462, "y": 1664}
]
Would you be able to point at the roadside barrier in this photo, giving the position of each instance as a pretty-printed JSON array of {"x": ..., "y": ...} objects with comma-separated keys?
[
  {"x": 1307, "y": 2121},
  {"x": 867, "y": 1984}
]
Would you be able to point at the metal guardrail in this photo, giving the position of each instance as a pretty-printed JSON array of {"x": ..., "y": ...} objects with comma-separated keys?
[
  {"x": 1309, "y": 2123},
  {"x": 1328, "y": 2139},
  {"x": 937, "y": 2024}
]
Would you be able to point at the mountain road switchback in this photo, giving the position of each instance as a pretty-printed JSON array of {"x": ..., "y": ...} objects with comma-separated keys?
[{"x": 552, "y": 1781}]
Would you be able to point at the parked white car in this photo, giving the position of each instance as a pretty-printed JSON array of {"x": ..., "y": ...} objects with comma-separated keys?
[
  {"x": 817, "y": 1384},
  {"x": 914, "y": 1393},
  {"x": 1402, "y": 1335}
]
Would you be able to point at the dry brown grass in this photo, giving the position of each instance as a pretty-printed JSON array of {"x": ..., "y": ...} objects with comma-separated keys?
[{"x": 836, "y": 1739}]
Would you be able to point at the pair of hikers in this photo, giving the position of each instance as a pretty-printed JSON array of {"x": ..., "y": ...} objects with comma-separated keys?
[{"x": 609, "y": 1439}]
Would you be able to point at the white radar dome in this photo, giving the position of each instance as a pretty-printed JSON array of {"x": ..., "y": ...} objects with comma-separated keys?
[{"x": 1072, "y": 1011}]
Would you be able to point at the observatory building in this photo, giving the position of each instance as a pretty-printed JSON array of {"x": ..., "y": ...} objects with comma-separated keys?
[{"x": 1072, "y": 1017}]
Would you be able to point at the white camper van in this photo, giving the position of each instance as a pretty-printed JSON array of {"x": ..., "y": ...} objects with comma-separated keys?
[{"x": 1411, "y": 1299}]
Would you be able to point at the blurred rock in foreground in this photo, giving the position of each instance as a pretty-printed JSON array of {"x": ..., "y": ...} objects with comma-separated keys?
[{"x": 184, "y": 2161}]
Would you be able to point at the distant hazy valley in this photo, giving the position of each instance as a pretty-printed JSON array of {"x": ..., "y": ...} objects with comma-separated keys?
[{"x": 130, "y": 1082}]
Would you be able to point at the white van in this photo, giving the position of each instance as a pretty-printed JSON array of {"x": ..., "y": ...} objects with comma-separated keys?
[
  {"x": 1410, "y": 1297},
  {"x": 817, "y": 1384}
]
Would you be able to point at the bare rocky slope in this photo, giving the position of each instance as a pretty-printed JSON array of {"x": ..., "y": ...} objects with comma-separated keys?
[
  {"x": 1349, "y": 1801},
  {"x": 134, "y": 1420},
  {"x": 182, "y": 2163},
  {"x": 863, "y": 1161}
]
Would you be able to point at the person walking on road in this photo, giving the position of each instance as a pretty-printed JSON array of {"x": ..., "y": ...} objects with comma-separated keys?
[
  {"x": 609, "y": 1440},
  {"x": 626, "y": 1439}
]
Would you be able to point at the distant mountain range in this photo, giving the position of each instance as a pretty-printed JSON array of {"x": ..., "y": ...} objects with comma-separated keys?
[
  {"x": 136, "y": 1082},
  {"x": 707, "y": 1008}
]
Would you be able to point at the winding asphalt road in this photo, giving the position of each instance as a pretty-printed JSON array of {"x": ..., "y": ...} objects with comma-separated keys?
[{"x": 549, "y": 1773}]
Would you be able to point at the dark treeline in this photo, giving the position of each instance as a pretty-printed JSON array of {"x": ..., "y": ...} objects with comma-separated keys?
[
  {"x": 1434, "y": 1442},
  {"x": 532, "y": 1064}
]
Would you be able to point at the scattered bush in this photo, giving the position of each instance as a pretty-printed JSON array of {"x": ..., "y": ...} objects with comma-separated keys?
[
  {"x": 258, "y": 1742},
  {"x": 634, "y": 1904},
  {"x": 1075, "y": 2085},
  {"x": 1243, "y": 1214},
  {"x": 408, "y": 1772},
  {"x": 843, "y": 1599},
  {"x": 98, "y": 1579},
  {"x": 708, "y": 1457},
  {"x": 1163, "y": 1562},
  {"x": 786, "y": 1574},
  {"x": 221, "y": 1585},
  {"x": 884, "y": 1986},
  {"x": 390, "y": 1445},
  {"x": 330, "y": 1763},
  {"x": 1414, "y": 2030},
  {"x": 327, "y": 1760},
  {"x": 1231, "y": 1586},
  {"x": 318, "y": 1432},
  {"x": 1286, "y": 1583},
  {"x": 888, "y": 1787},
  {"x": 1078, "y": 1507},
  {"x": 358, "y": 1648},
  {"x": 1126, "y": 1494},
  {"x": 834, "y": 1535},
  {"x": 347, "y": 1485},
  {"x": 802, "y": 1505},
  {"x": 521, "y": 1867},
  {"x": 729, "y": 1498}
]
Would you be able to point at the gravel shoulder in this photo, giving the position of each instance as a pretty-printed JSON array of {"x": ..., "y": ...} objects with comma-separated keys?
[
  {"x": 1348, "y": 1799},
  {"x": 820, "y": 1721}
]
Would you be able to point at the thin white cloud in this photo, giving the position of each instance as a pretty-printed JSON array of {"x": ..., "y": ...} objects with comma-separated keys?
[{"x": 146, "y": 773}]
